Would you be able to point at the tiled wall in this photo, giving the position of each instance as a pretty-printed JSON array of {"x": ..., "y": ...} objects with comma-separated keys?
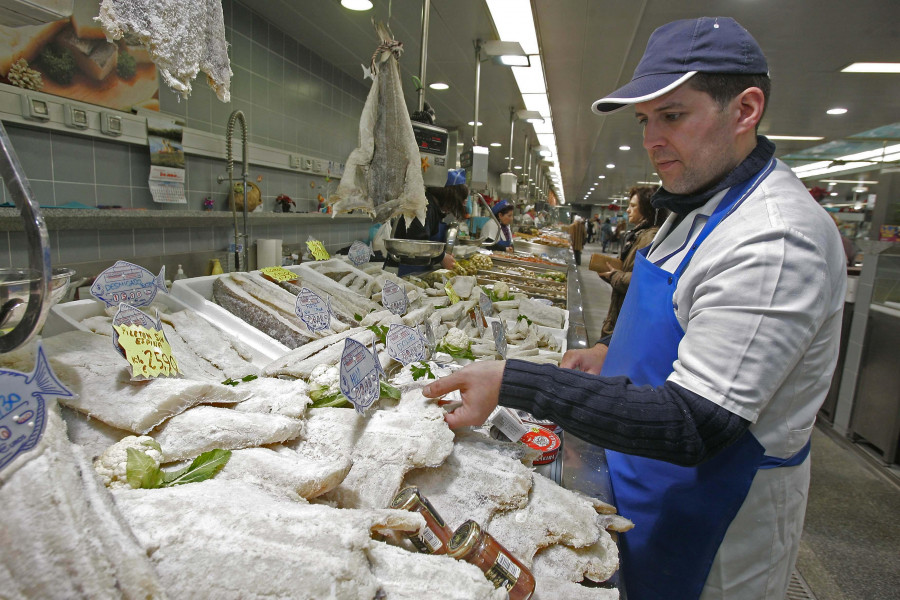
[{"x": 292, "y": 100}]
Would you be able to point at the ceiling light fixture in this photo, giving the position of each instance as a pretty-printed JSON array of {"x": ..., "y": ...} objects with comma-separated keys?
[
  {"x": 853, "y": 181},
  {"x": 872, "y": 67},
  {"x": 531, "y": 116},
  {"x": 356, "y": 4},
  {"x": 439, "y": 85},
  {"x": 610, "y": 166},
  {"x": 510, "y": 54},
  {"x": 624, "y": 148},
  {"x": 517, "y": 167},
  {"x": 495, "y": 144},
  {"x": 601, "y": 176},
  {"x": 472, "y": 123},
  {"x": 836, "y": 111},
  {"x": 799, "y": 138}
]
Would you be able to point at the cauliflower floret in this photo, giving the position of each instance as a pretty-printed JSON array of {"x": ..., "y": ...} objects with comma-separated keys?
[
  {"x": 111, "y": 465},
  {"x": 501, "y": 289},
  {"x": 325, "y": 376},
  {"x": 457, "y": 338}
]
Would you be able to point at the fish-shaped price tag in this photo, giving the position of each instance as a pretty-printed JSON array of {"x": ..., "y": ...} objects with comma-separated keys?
[
  {"x": 317, "y": 249},
  {"x": 393, "y": 297},
  {"x": 127, "y": 282},
  {"x": 451, "y": 293},
  {"x": 129, "y": 315},
  {"x": 499, "y": 331},
  {"x": 487, "y": 307},
  {"x": 278, "y": 274},
  {"x": 22, "y": 410},
  {"x": 429, "y": 337},
  {"x": 404, "y": 344},
  {"x": 359, "y": 253},
  {"x": 313, "y": 310},
  {"x": 359, "y": 373},
  {"x": 147, "y": 351}
]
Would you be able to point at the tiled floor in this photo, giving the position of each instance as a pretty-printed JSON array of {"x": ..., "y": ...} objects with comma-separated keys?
[{"x": 850, "y": 549}]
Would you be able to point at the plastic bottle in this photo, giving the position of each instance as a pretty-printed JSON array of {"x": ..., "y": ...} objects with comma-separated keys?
[{"x": 180, "y": 274}]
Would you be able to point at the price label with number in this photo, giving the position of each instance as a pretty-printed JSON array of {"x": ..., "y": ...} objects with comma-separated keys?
[
  {"x": 393, "y": 297},
  {"x": 317, "y": 249},
  {"x": 499, "y": 330},
  {"x": 279, "y": 274},
  {"x": 359, "y": 375},
  {"x": 359, "y": 253},
  {"x": 313, "y": 310},
  {"x": 147, "y": 351},
  {"x": 404, "y": 344}
]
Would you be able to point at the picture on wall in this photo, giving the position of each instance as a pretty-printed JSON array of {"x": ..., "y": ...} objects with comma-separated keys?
[{"x": 72, "y": 58}]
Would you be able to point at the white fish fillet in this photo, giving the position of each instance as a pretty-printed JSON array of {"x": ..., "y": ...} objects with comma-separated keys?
[
  {"x": 219, "y": 348},
  {"x": 350, "y": 301},
  {"x": 284, "y": 472},
  {"x": 383, "y": 175},
  {"x": 548, "y": 588},
  {"x": 542, "y": 314},
  {"x": 474, "y": 482},
  {"x": 597, "y": 562},
  {"x": 554, "y": 515},
  {"x": 275, "y": 396},
  {"x": 405, "y": 575},
  {"x": 93, "y": 435},
  {"x": 282, "y": 301},
  {"x": 288, "y": 364},
  {"x": 228, "y": 540},
  {"x": 87, "y": 364},
  {"x": 205, "y": 428},
  {"x": 183, "y": 38},
  {"x": 60, "y": 534}
]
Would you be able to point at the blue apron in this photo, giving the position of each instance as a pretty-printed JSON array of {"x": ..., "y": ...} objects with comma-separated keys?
[
  {"x": 680, "y": 514},
  {"x": 501, "y": 243}
]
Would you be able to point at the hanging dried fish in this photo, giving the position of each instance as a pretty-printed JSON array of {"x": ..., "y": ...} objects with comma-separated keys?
[{"x": 383, "y": 176}]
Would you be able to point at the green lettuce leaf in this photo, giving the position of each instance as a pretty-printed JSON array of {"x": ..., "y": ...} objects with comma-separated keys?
[
  {"x": 201, "y": 468},
  {"x": 141, "y": 471}
]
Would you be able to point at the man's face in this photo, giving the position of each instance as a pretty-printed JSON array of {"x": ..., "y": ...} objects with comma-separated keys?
[{"x": 690, "y": 140}]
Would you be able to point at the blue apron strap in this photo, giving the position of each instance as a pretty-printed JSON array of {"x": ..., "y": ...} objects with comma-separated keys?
[{"x": 773, "y": 462}]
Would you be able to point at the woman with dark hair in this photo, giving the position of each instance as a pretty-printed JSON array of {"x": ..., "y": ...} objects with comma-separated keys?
[
  {"x": 448, "y": 201},
  {"x": 646, "y": 221},
  {"x": 501, "y": 236}
]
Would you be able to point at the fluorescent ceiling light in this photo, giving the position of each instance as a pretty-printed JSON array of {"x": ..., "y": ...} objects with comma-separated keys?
[
  {"x": 495, "y": 144},
  {"x": 610, "y": 166},
  {"x": 507, "y": 157},
  {"x": 872, "y": 67},
  {"x": 624, "y": 148},
  {"x": 514, "y": 61},
  {"x": 823, "y": 168},
  {"x": 801, "y": 138},
  {"x": 515, "y": 22},
  {"x": 853, "y": 181},
  {"x": 875, "y": 155},
  {"x": 530, "y": 79},
  {"x": 833, "y": 194},
  {"x": 439, "y": 85},
  {"x": 537, "y": 102},
  {"x": 472, "y": 123},
  {"x": 601, "y": 177},
  {"x": 531, "y": 116},
  {"x": 836, "y": 111},
  {"x": 649, "y": 182},
  {"x": 517, "y": 167},
  {"x": 546, "y": 139},
  {"x": 356, "y": 4},
  {"x": 544, "y": 126}
]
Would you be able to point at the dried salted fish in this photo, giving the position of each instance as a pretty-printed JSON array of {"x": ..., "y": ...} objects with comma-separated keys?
[
  {"x": 548, "y": 588},
  {"x": 291, "y": 365},
  {"x": 230, "y": 296},
  {"x": 597, "y": 562},
  {"x": 383, "y": 175},
  {"x": 285, "y": 397},
  {"x": 218, "y": 348}
]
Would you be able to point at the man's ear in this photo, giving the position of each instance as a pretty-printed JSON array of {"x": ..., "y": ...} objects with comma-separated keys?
[{"x": 751, "y": 104}]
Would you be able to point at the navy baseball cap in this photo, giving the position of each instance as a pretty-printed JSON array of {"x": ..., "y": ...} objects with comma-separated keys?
[{"x": 679, "y": 50}]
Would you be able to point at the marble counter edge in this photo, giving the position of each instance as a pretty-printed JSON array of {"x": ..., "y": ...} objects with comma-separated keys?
[{"x": 61, "y": 219}]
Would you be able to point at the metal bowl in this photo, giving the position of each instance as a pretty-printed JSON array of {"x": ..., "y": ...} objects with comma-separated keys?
[
  {"x": 413, "y": 252},
  {"x": 14, "y": 292}
]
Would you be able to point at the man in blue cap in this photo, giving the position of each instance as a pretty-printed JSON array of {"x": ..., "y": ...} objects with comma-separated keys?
[{"x": 706, "y": 394}]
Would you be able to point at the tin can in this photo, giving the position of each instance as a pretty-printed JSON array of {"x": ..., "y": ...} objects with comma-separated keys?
[
  {"x": 436, "y": 533},
  {"x": 476, "y": 546},
  {"x": 544, "y": 440}
]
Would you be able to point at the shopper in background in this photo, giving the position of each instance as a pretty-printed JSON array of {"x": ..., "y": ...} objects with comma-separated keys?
[
  {"x": 502, "y": 235},
  {"x": 576, "y": 236},
  {"x": 619, "y": 233},
  {"x": 606, "y": 234},
  {"x": 723, "y": 352},
  {"x": 590, "y": 231},
  {"x": 646, "y": 221}
]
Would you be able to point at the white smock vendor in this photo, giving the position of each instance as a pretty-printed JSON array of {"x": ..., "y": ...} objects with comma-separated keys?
[{"x": 723, "y": 353}]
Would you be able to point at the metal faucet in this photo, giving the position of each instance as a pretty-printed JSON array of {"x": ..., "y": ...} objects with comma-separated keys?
[{"x": 241, "y": 263}]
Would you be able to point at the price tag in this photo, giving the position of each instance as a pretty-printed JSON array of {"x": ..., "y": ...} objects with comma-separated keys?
[
  {"x": 359, "y": 253},
  {"x": 477, "y": 318},
  {"x": 499, "y": 330},
  {"x": 393, "y": 297},
  {"x": 451, "y": 293},
  {"x": 127, "y": 282},
  {"x": 404, "y": 344},
  {"x": 429, "y": 337},
  {"x": 509, "y": 423},
  {"x": 278, "y": 274},
  {"x": 147, "y": 351},
  {"x": 487, "y": 307},
  {"x": 129, "y": 315},
  {"x": 359, "y": 375},
  {"x": 317, "y": 249},
  {"x": 22, "y": 408},
  {"x": 312, "y": 310}
]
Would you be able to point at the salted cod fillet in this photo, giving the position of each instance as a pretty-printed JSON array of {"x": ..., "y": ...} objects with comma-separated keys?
[
  {"x": 87, "y": 364},
  {"x": 548, "y": 588},
  {"x": 183, "y": 38},
  {"x": 405, "y": 575},
  {"x": 229, "y": 540},
  {"x": 230, "y": 296},
  {"x": 60, "y": 534},
  {"x": 383, "y": 175},
  {"x": 219, "y": 348},
  {"x": 597, "y": 562}
]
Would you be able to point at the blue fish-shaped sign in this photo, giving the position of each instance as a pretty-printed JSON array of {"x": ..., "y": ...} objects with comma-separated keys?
[
  {"x": 359, "y": 374},
  {"x": 22, "y": 413},
  {"x": 129, "y": 315},
  {"x": 127, "y": 282}
]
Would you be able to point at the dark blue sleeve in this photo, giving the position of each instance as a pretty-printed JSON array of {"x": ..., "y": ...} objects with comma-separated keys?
[{"x": 666, "y": 423}]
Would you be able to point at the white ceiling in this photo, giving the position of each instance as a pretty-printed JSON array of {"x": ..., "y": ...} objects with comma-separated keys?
[{"x": 590, "y": 47}]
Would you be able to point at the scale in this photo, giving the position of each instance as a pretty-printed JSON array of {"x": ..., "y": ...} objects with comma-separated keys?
[{"x": 433, "y": 142}]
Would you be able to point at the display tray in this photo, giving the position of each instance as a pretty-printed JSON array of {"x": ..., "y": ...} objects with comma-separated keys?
[
  {"x": 540, "y": 249},
  {"x": 532, "y": 280},
  {"x": 537, "y": 266},
  {"x": 557, "y": 297}
]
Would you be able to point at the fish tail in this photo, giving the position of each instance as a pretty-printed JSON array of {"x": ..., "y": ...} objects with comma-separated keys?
[
  {"x": 160, "y": 280},
  {"x": 47, "y": 382}
]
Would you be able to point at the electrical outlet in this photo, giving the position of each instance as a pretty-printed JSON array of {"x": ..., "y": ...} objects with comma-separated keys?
[
  {"x": 294, "y": 161},
  {"x": 307, "y": 164},
  {"x": 76, "y": 118},
  {"x": 110, "y": 124},
  {"x": 35, "y": 109}
]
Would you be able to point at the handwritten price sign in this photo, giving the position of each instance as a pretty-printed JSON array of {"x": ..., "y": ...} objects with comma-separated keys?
[
  {"x": 312, "y": 310},
  {"x": 404, "y": 344},
  {"x": 359, "y": 375},
  {"x": 393, "y": 297},
  {"x": 147, "y": 351},
  {"x": 317, "y": 249},
  {"x": 279, "y": 274}
]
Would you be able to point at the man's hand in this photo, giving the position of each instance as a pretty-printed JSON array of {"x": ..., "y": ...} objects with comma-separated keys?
[
  {"x": 479, "y": 387},
  {"x": 589, "y": 360},
  {"x": 607, "y": 275},
  {"x": 448, "y": 262}
]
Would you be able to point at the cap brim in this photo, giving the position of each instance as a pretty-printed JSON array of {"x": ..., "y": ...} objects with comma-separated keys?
[{"x": 641, "y": 89}]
